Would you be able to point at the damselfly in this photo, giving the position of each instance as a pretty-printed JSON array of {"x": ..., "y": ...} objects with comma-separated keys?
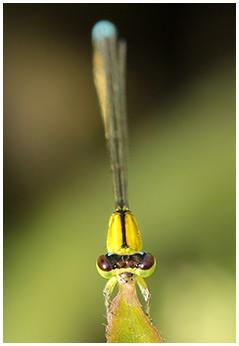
[{"x": 124, "y": 261}]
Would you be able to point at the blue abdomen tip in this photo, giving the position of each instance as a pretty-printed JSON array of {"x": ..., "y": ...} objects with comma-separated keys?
[{"x": 103, "y": 29}]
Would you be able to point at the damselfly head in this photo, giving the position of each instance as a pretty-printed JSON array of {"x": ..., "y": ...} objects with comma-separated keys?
[{"x": 112, "y": 264}]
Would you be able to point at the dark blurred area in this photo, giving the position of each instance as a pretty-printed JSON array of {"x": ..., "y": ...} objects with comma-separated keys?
[{"x": 181, "y": 114}]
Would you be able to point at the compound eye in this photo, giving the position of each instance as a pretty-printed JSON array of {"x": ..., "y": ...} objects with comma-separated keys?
[
  {"x": 147, "y": 262},
  {"x": 104, "y": 264}
]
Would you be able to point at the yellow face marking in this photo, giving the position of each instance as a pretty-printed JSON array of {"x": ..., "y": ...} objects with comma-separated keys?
[{"x": 123, "y": 234}]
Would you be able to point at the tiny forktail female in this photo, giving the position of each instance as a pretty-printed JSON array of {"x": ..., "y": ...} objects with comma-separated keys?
[{"x": 124, "y": 261}]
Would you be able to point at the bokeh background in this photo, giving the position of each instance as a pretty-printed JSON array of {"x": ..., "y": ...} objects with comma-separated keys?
[{"x": 57, "y": 183}]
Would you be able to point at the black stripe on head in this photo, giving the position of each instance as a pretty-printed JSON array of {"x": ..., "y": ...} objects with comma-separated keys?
[
  {"x": 122, "y": 212},
  {"x": 122, "y": 216}
]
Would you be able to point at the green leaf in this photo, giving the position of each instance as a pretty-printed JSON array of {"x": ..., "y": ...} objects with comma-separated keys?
[{"x": 127, "y": 321}]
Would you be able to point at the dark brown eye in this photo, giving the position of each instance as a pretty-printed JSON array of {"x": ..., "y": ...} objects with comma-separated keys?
[
  {"x": 147, "y": 262},
  {"x": 104, "y": 264}
]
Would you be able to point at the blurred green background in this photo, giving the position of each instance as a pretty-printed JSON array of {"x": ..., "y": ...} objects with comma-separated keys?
[{"x": 57, "y": 183}]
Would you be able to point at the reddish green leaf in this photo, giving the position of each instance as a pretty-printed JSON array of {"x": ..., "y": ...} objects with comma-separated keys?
[{"x": 127, "y": 321}]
